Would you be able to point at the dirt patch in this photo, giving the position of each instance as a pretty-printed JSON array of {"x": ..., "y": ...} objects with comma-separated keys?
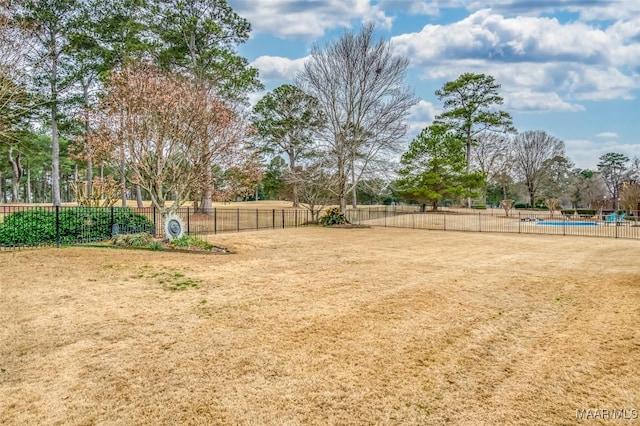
[{"x": 310, "y": 326}]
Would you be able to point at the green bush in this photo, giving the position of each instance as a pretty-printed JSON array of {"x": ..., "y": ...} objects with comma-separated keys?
[
  {"x": 333, "y": 216},
  {"x": 156, "y": 246},
  {"x": 37, "y": 226},
  {"x": 188, "y": 241},
  {"x": 479, "y": 207},
  {"x": 521, "y": 206}
]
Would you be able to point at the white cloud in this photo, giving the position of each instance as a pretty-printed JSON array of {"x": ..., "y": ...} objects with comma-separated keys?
[
  {"x": 278, "y": 68},
  {"x": 545, "y": 64},
  {"x": 526, "y": 100},
  {"x": 485, "y": 35},
  {"x": 308, "y": 19},
  {"x": 413, "y": 7},
  {"x": 585, "y": 153},
  {"x": 592, "y": 10},
  {"x": 607, "y": 135},
  {"x": 254, "y": 97},
  {"x": 422, "y": 115},
  {"x": 608, "y": 10}
]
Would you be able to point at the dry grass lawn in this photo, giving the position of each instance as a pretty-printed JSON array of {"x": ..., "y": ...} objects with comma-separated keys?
[{"x": 323, "y": 326}]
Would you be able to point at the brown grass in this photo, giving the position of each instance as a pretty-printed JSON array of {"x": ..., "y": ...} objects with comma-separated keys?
[{"x": 323, "y": 326}]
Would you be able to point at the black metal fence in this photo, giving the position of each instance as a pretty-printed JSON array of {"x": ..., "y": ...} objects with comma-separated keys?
[
  {"x": 495, "y": 220},
  {"x": 26, "y": 226}
]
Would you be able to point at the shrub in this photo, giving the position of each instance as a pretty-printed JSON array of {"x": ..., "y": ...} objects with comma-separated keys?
[
  {"x": 188, "y": 241},
  {"x": 521, "y": 206},
  {"x": 333, "y": 216},
  {"x": 133, "y": 240},
  {"x": 37, "y": 226},
  {"x": 156, "y": 246},
  {"x": 479, "y": 207}
]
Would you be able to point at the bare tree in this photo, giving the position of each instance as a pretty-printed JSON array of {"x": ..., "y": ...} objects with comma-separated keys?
[
  {"x": 163, "y": 121},
  {"x": 491, "y": 155},
  {"x": 553, "y": 204},
  {"x": 533, "y": 151},
  {"x": 14, "y": 99},
  {"x": 630, "y": 196},
  {"x": 315, "y": 183},
  {"x": 360, "y": 87},
  {"x": 586, "y": 186},
  {"x": 614, "y": 170},
  {"x": 506, "y": 205}
]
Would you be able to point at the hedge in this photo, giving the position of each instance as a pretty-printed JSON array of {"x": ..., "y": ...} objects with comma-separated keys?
[{"x": 37, "y": 226}]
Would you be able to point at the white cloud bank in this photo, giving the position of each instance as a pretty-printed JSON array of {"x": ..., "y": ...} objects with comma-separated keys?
[
  {"x": 278, "y": 68},
  {"x": 308, "y": 19},
  {"x": 541, "y": 63}
]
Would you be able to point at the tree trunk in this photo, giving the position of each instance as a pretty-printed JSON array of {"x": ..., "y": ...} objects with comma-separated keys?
[
  {"x": 123, "y": 179},
  {"x": 18, "y": 171},
  {"x": 44, "y": 186},
  {"x": 87, "y": 148},
  {"x": 354, "y": 190},
  {"x": 294, "y": 186},
  {"x": 532, "y": 199},
  {"x": 342, "y": 182},
  {"x": 206, "y": 204},
  {"x": 89, "y": 186},
  {"x": 55, "y": 143},
  {"x": 469, "y": 161},
  {"x": 139, "y": 202},
  {"x": 4, "y": 194},
  {"x": 28, "y": 196}
]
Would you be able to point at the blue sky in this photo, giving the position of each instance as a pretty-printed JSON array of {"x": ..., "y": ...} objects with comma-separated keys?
[{"x": 568, "y": 67}]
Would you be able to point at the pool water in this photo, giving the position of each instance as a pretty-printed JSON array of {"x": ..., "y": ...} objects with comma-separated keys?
[{"x": 565, "y": 223}]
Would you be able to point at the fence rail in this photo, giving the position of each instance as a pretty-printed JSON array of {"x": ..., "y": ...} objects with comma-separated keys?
[
  {"x": 529, "y": 222},
  {"x": 25, "y": 226}
]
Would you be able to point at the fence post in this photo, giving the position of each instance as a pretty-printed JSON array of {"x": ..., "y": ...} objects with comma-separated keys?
[
  {"x": 257, "y": 221},
  {"x": 479, "y": 223},
  {"x": 444, "y": 222},
  {"x": 215, "y": 220},
  {"x": 282, "y": 218},
  {"x": 519, "y": 222},
  {"x": 155, "y": 223},
  {"x": 188, "y": 223},
  {"x": 273, "y": 219},
  {"x": 238, "y": 219},
  {"x": 58, "y": 226},
  {"x": 112, "y": 220}
]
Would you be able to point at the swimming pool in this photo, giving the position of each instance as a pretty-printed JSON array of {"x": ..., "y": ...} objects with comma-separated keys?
[{"x": 565, "y": 223}]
